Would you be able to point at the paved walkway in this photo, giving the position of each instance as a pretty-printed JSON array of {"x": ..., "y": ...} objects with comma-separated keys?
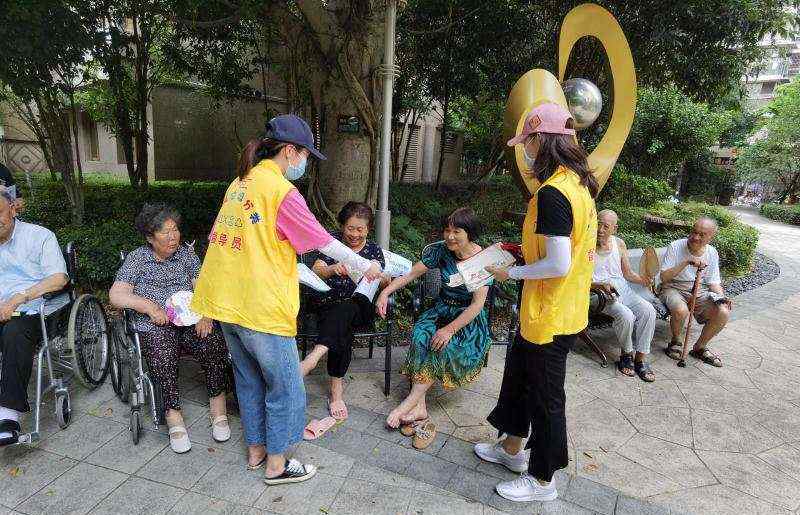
[{"x": 698, "y": 440}]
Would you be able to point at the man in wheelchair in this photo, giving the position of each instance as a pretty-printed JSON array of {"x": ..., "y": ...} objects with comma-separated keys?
[{"x": 31, "y": 265}]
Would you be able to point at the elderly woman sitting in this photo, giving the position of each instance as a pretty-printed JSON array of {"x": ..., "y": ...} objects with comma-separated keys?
[
  {"x": 347, "y": 305},
  {"x": 149, "y": 276}
]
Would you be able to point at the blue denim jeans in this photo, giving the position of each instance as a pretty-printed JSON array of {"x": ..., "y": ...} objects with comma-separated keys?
[{"x": 269, "y": 386}]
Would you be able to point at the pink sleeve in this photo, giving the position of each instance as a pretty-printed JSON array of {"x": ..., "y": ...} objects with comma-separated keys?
[{"x": 298, "y": 224}]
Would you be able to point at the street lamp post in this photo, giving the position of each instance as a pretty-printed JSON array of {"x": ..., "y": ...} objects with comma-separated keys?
[{"x": 382, "y": 214}]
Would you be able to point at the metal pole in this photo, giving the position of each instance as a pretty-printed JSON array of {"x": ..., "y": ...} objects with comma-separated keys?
[{"x": 382, "y": 214}]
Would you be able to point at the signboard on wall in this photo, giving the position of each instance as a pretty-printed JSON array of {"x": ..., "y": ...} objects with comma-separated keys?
[{"x": 348, "y": 124}]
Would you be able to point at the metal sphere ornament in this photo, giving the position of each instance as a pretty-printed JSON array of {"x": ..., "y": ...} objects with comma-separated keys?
[{"x": 584, "y": 101}]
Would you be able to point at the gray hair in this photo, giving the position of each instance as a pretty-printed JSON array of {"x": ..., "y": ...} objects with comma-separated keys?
[
  {"x": 153, "y": 216},
  {"x": 610, "y": 212},
  {"x": 708, "y": 220},
  {"x": 9, "y": 193}
]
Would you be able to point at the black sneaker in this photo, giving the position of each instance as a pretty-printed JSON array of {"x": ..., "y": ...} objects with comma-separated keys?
[
  {"x": 294, "y": 472},
  {"x": 13, "y": 428}
]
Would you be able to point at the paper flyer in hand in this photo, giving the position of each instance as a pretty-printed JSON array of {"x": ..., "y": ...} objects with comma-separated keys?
[
  {"x": 472, "y": 271},
  {"x": 396, "y": 265},
  {"x": 310, "y": 279},
  {"x": 178, "y": 312}
]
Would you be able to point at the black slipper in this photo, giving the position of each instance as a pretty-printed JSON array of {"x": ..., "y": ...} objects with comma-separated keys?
[
  {"x": 644, "y": 371},
  {"x": 706, "y": 356},
  {"x": 674, "y": 350},
  {"x": 293, "y": 472},
  {"x": 9, "y": 426},
  {"x": 625, "y": 361}
]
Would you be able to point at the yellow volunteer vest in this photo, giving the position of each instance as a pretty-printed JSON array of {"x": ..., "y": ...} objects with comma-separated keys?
[
  {"x": 249, "y": 275},
  {"x": 552, "y": 307}
]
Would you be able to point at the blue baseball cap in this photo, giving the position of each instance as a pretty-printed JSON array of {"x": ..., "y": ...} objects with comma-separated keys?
[{"x": 290, "y": 128}]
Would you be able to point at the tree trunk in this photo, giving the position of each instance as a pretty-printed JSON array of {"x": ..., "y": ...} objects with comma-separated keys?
[
  {"x": 141, "y": 71},
  {"x": 345, "y": 175}
]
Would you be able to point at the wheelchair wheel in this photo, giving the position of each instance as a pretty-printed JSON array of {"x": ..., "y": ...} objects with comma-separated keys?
[
  {"x": 63, "y": 410},
  {"x": 88, "y": 337},
  {"x": 120, "y": 369},
  {"x": 136, "y": 426}
]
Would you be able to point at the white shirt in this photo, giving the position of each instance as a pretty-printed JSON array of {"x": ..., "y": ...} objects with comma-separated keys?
[
  {"x": 677, "y": 252},
  {"x": 608, "y": 265}
]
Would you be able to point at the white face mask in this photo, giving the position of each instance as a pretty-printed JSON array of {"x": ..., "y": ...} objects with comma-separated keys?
[
  {"x": 294, "y": 172},
  {"x": 528, "y": 159}
]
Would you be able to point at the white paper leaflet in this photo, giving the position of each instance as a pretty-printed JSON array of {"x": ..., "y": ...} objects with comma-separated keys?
[
  {"x": 472, "y": 271},
  {"x": 310, "y": 279}
]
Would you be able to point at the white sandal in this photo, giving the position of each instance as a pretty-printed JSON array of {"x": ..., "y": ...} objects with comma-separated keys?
[
  {"x": 220, "y": 433},
  {"x": 180, "y": 444}
]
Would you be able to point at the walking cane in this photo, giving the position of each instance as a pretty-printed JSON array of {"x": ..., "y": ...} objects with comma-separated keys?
[{"x": 692, "y": 302}]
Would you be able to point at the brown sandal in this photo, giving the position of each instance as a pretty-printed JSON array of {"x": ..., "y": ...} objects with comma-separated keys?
[
  {"x": 706, "y": 356},
  {"x": 424, "y": 435},
  {"x": 408, "y": 429},
  {"x": 674, "y": 350}
]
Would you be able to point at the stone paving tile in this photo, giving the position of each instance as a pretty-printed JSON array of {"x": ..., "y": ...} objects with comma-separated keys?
[
  {"x": 712, "y": 397},
  {"x": 230, "y": 480},
  {"x": 753, "y": 476},
  {"x": 195, "y": 504},
  {"x": 632, "y": 506},
  {"x": 476, "y": 434},
  {"x": 430, "y": 504},
  {"x": 121, "y": 455},
  {"x": 472, "y": 485},
  {"x": 311, "y": 497},
  {"x": 326, "y": 461},
  {"x": 622, "y": 474},
  {"x": 561, "y": 507},
  {"x": 786, "y": 458},
  {"x": 179, "y": 470},
  {"x": 717, "y": 499},
  {"x": 372, "y": 474},
  {"x": 459, "y": 452},
  {"x": 667, "y": 423},
  {"x": 390, "y": 456},
  {"x": 24, "y": 471},
  {"x": 619, "y": 392},
  {"x": 676, "y": 462},
  {"x": 76, "y": 491},
  {"x": 374, "y": 499},
  {"x": 431, "y": 469},
  {"x": 83, "y": 437},
  {"x": 598, "y": 425},
  {"x": 138, "y": 495},
  {"x": 590, "y": 495}
]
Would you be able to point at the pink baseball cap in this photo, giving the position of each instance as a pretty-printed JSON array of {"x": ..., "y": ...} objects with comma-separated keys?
[{"x": 548, "y": 117}]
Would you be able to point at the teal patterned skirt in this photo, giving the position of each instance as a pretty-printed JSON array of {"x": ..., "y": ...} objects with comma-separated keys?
[{"x": 460, "y": 361}]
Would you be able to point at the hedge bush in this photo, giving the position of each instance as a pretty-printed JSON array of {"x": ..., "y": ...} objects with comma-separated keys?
[
  {"x": 781, "y": 213},
  {"x": 416, "y": 215},
  {"x": 635, "y": 190}
]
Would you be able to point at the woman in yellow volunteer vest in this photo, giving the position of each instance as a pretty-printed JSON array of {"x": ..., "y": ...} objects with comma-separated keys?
[
  {"x": 249, "y": 283},
  {"x": 558, "y": 243}
]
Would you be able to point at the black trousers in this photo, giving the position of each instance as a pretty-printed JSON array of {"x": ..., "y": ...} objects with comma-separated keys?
[
  {"x": 532, "y": 398},
  {"x": 19, "y": 338},
  {"x": 336, "y": 324}
]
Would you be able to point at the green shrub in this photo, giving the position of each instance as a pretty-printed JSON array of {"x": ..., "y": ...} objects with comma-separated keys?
[
  {"x": 635, "y": 190},
  {"x": 691, "y": 211},
  {"x": 736, "y": 245},
  {"x": 781, "y": 213}
]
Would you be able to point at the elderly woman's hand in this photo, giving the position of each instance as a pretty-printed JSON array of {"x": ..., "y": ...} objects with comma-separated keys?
[
  {"x": 157, "y": 314},
  {"x": 373, "y": 272},
  {"x": 441, "y": 338},
  {"x": 203, "y": 327},
  {"x": 336, "y": 269}
]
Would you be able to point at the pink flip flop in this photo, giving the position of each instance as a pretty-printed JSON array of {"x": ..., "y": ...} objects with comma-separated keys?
[{"x": 317, "y": 428}]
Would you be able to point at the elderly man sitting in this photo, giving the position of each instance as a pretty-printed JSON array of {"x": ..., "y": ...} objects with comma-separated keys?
[
  {"x": 634, "y": 317},
  {"x": 683, "y": 260},
  {"x": 31, "y": 264}
]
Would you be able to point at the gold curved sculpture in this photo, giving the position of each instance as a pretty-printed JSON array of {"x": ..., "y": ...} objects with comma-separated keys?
[{"x": 538, "y": 86}]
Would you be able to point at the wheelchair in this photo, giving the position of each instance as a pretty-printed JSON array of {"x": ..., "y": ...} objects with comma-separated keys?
[
  {"x": 74, "y": 344},
  {"x": 131, "y": 378}
]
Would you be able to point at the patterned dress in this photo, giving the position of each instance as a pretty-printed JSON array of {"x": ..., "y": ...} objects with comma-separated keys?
[{"x": 462, "y": 359}]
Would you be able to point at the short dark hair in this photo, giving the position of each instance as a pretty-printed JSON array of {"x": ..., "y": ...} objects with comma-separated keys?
[
  {"x": 464, "y": 218},
  {"x": 357, "y": 209},
  {"x": 153, "y": 216}
]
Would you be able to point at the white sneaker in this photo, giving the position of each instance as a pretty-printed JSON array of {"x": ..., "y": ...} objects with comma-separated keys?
[
  {"x": 220, "y": 429},
  {"x": 525, "y": 489},
  {"x": 179, "y": 444},
  {"x": 494, "y": 453}
]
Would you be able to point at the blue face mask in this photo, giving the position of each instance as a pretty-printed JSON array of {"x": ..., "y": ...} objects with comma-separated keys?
[
  {"x": 529, "y": 161},
  {"x": 294, "y": 172}
]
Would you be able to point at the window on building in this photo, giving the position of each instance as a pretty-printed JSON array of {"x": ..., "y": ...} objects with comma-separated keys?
[{"x": 92, "y": 137}]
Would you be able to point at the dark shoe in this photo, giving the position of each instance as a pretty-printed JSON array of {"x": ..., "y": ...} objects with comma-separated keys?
[
  {"x": 294, "y": 472},
  {"x": 706, "y": 356},
  {"x": 644, "y": 371},
  {"x": 9, "y": 426},
  {"x": 626, "y": 363}
]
